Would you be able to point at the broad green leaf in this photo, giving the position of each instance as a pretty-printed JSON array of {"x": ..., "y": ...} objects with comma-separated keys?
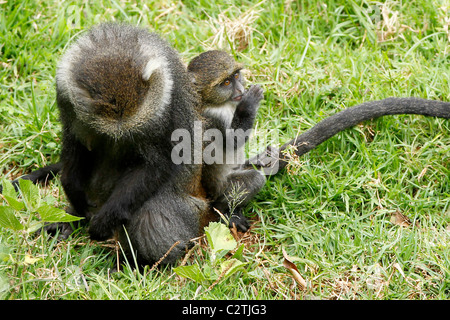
[
  {"x": 10, "y": 195},
  {"x": 219, "y": 237},
  {"x": 52, "y": 214},
  {"x": 14, "y": 203},
  {"x": 231, "y": 266},
  {"x": 8, "y": 189},
  {"x": 30, "y": 193},
  {"x": 49, "y": 199},
  {"x": 192, "y": 272},
  {"x": 209, "y": 272},
  {"x": 8, "y": 219}
]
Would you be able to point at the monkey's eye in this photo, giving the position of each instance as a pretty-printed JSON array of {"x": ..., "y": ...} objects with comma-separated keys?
[
  {"x": 236, "y": 75},
  {"x": 227, "y": 82}
]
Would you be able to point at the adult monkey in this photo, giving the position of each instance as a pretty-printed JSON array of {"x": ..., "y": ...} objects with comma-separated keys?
[{"x": 121, "y": 92}]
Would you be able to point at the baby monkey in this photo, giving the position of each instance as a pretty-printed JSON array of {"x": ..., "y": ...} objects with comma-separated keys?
[{"x": 229, "y": 114}]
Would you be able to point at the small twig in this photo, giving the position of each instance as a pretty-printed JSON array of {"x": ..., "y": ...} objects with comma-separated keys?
[
  {"x": 164, "y": 256},
  {"x": 218, "y": 279},
  {"x": 188, "y": 254},
  {"x": 221, "y": 215},
  {"x": 117, "y": 255}
]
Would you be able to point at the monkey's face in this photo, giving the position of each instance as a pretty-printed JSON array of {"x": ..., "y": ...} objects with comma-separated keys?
[
  {"x": 218, "y": 78},
  {"x": 229, "y": 90}
]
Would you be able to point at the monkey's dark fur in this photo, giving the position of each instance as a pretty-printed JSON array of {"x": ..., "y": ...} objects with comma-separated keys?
[{"x": 121, "y": 92}]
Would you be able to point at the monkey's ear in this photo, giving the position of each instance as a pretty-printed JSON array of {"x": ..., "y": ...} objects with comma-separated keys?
[
  {"x": 193, "y": 79},
  {"x": 151, "y": 66},
  {"x": 82, "y": 95}
]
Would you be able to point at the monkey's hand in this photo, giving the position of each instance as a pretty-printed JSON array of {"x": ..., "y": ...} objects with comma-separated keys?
[{"x": 250, "y": 101}]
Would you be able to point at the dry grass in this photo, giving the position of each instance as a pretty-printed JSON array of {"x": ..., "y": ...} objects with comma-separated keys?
[{"x": 235, "y": 30}]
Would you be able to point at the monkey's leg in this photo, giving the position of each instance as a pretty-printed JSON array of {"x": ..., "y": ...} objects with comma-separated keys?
[
  {"x": 241, "y": 186},
  {"x": 163, "y": 220},
  {"x": 42, "y": 175}
]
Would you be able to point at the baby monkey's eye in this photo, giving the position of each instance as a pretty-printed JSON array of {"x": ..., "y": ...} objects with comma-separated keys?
[
  {"x": 236, "y": 75},
  {"x": 227, "y": 82}
]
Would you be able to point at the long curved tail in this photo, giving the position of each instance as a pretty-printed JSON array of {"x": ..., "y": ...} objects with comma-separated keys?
[
  {"x": 272, "y": 160},
  {"x": 41, "y": 175}
]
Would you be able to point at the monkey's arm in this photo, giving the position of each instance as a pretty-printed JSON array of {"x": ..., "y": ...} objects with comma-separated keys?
[
  {"x": 76, "y": 162},
  {"x": 273, "y": 160},
  {"x": 244, "y": 117},
  {"x": 245, "y": 113},
  {"x": 135, "y": 187}
]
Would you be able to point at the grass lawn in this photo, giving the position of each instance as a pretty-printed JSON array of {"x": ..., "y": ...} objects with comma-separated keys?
[{"x": 366, "y": 215}]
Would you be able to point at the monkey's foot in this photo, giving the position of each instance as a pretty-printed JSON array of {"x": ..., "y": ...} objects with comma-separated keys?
[
  {"x": 268, "y": 161},
  {"x": 99, "y": 228},
  {"x": 237, "y": 219}
]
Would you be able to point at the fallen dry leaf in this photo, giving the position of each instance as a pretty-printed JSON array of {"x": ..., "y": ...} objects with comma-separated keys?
[
  {"x": 400, "y": 219},
  {"x": 293, "y": 269}
]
